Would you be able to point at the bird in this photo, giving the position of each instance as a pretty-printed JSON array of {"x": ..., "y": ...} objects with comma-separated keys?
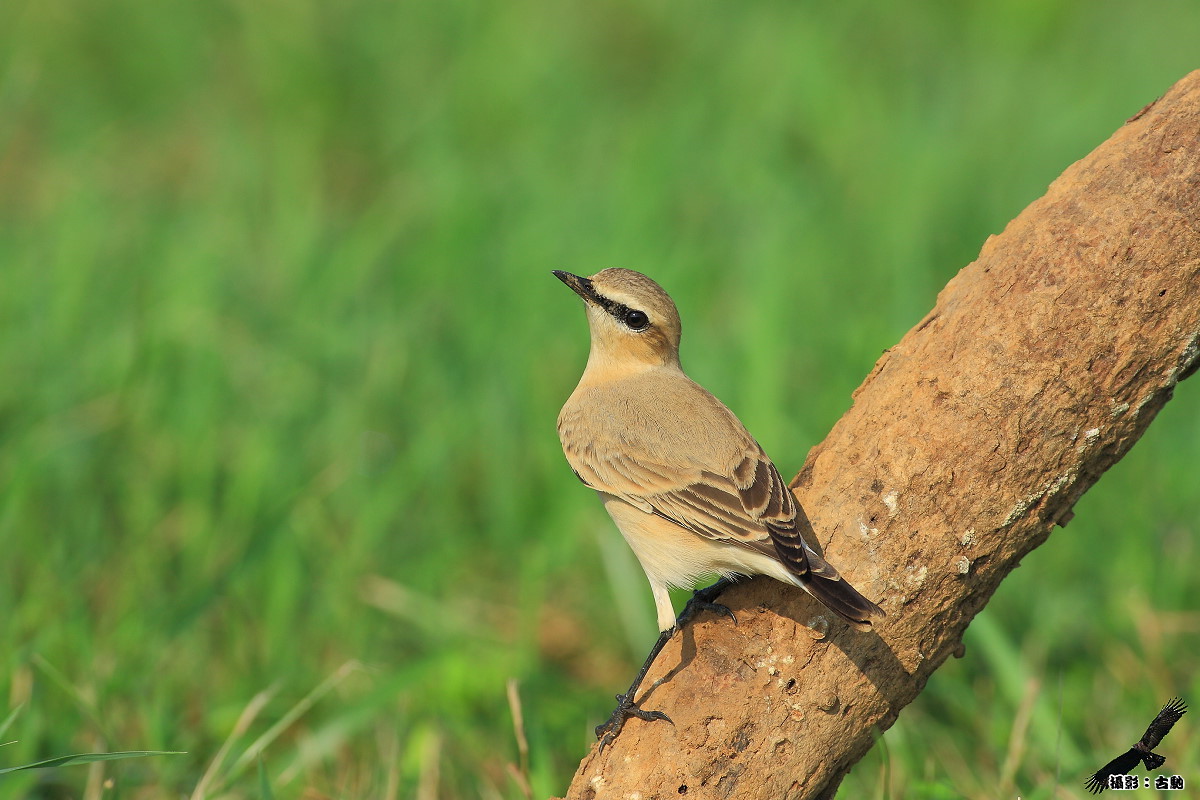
[
  {"x": 1142, "y": 750},
  {"x": 688, "y": 487}
]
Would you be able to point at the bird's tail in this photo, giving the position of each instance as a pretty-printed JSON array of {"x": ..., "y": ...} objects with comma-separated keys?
[
  {"x": 817, "y": 576},
  {"x": 1152, "y": 760},
  {"x": 842, "y": 599}
]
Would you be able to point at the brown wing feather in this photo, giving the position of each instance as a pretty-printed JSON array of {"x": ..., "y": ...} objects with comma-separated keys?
[
  {"x": 1097, "y": 782},
  {"x": 767, "y": 498},
  {"x": 1166, "y": 718},
  {"x": 718, "y": 483},
  {"x": 696, "y": 498},
  {"x": 752, "y": 506}
]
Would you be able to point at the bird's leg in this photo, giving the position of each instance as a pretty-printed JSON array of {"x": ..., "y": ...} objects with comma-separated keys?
[
  {"x": 702, "y": 600},
  {"x": 625, "y": 709}
]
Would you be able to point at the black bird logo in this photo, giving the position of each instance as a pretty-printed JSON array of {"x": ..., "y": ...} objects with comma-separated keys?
[{"x": 1142, "y": 751}]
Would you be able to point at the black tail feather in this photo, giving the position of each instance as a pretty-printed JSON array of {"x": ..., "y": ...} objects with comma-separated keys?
[{"x": 842, "y": 599}]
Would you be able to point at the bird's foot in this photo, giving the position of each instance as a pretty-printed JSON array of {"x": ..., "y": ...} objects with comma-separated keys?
[
  {"x": 607, "y": 733},
  {"x": 702, "y": 600}
]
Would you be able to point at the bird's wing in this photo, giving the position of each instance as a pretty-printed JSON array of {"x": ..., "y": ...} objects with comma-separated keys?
[
  {"x": 694, "y": 464},
  {"x": 766, "y": 498},
  {"x": 703, "y": 501},
  {"x": 1120, "y": 765},
  {"x": 749, "y": 505},
  {"x": 1168, "y": 716}
]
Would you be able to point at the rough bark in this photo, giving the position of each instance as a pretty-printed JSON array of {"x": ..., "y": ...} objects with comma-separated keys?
[{"x": 1039, "y": 367}]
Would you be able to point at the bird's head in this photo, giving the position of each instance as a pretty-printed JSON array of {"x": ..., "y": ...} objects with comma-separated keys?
[{"x": 634, "y": 323}]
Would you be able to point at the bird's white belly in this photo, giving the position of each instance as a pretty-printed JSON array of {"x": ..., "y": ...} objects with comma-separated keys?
[{"x": 673, "y": 556}]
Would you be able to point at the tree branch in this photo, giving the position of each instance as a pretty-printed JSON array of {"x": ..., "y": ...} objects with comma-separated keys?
[{"x": 1039, "y": 367}]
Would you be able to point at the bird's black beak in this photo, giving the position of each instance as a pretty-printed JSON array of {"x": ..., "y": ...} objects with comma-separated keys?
[{"x": 579, "y": 285}]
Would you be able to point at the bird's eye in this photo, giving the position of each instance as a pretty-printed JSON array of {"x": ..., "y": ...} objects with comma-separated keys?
[{"x": 637, "y": 320}]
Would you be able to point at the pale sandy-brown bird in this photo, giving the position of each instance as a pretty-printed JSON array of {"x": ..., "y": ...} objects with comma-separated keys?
[{"x": 689, "y": 488}]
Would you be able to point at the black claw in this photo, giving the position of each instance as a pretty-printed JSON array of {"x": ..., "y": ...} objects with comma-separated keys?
[
  {"x": 702, "y": 600},
  {"x": 607, "y": 733},
  {"x": 695, "y": 606},
  {"x": 649, "y": 716}
]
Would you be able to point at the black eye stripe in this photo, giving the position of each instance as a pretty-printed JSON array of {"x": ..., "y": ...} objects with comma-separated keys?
[
  {"x": 618, "y": 311},
  {"x": 611, "y": 306},
  {"x": 621, "y": 313}
]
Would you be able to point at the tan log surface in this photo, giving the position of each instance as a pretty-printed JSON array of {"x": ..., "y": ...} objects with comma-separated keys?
[{"x": 1039, "y": 367}]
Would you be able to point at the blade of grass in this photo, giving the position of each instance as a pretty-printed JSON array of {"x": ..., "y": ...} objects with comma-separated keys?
[
  {"x": 85, "y": 704},
  {"x": 430, "y": 771},
  {"x": 264, "y": 785},
  {"x": 9, "y": 720},
  {"x": 390, "y": 750},
  {"x": 298, "y": 710},
  {"x": 94, "y": 786},
  {"x": 324, "y": 742},
  {"x": 519, "y": 772},
  {"x": 244, "y": 720},
  {"x": 90, "y": 758},
  {"x": 1017, "y": 740}
]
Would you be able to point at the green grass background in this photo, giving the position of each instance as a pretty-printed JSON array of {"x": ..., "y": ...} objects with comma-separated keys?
[{"x": 281, "y": 359}]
